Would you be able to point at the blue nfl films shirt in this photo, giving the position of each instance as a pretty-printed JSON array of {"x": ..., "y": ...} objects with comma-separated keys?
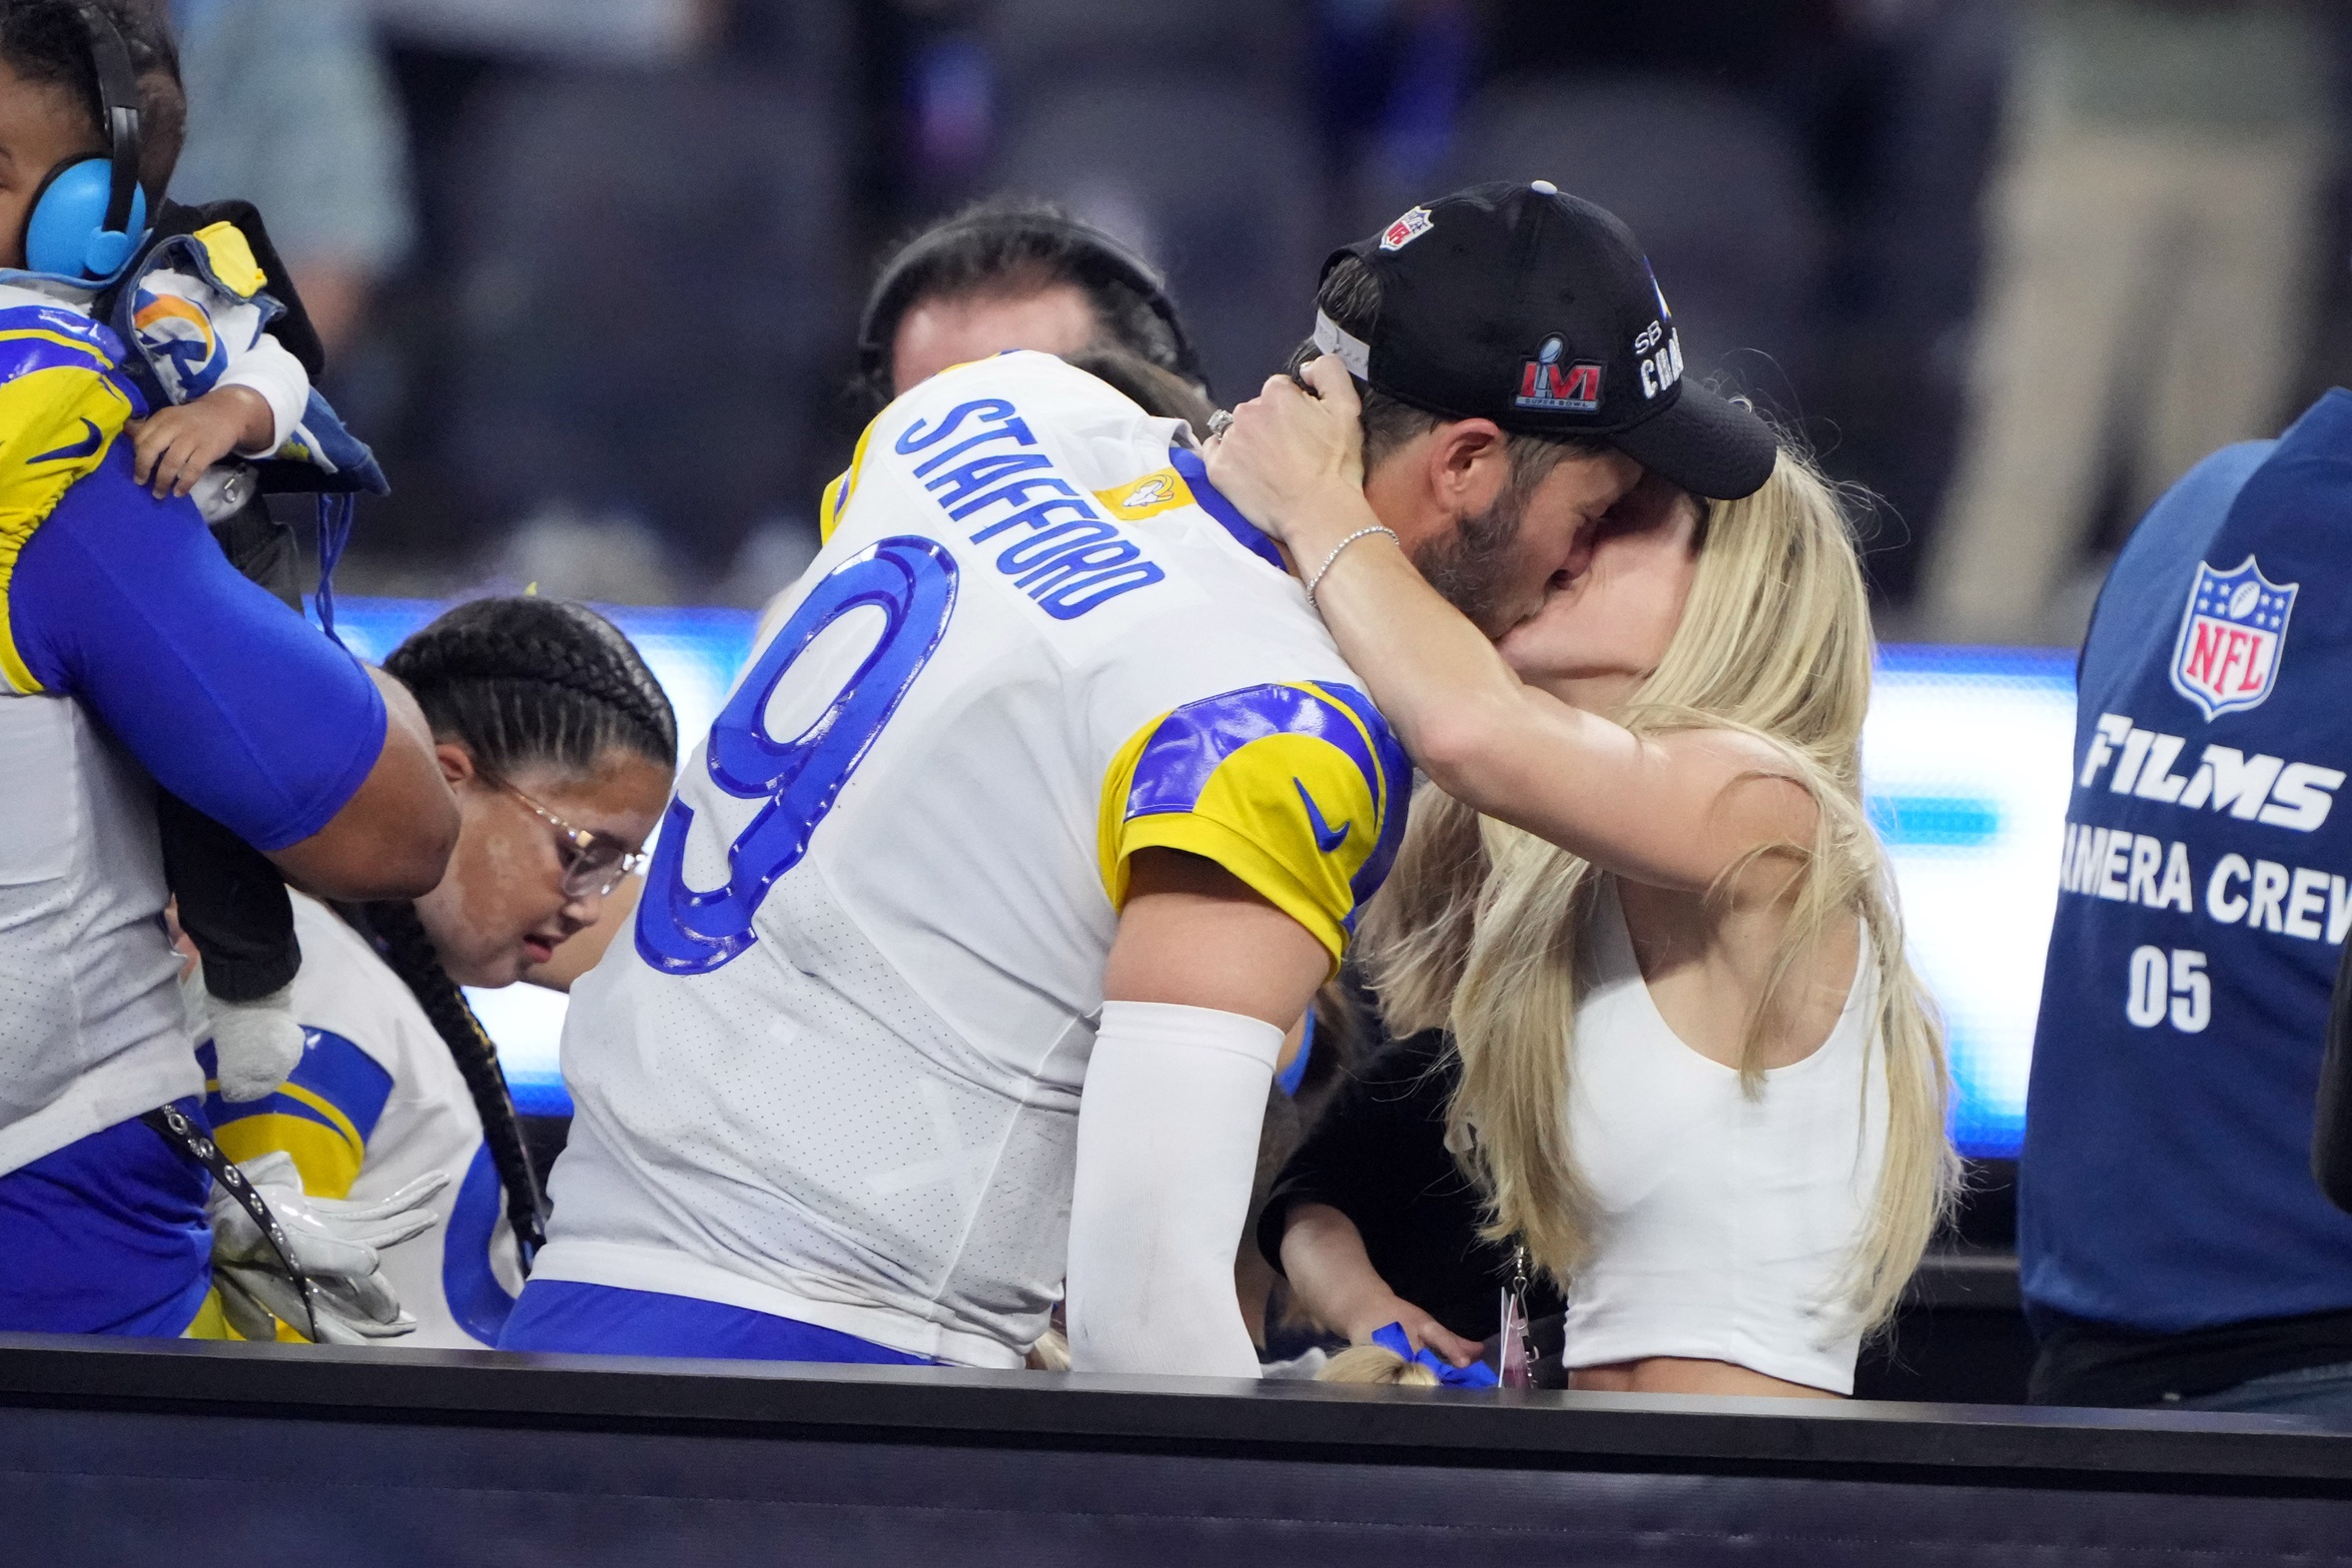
[{"x": 2205, "y": 894}]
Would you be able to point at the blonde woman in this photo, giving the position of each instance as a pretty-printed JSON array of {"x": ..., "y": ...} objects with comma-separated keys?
[{"x": 1698, "y": 1081}]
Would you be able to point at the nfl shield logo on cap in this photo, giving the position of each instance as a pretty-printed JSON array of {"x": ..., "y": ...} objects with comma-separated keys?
[
  {"x": 1408, "y": 228},
  {"x": 2232, "y": 636}
]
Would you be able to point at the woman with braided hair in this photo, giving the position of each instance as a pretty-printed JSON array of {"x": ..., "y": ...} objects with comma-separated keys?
[{"x": 559, "y": 747}]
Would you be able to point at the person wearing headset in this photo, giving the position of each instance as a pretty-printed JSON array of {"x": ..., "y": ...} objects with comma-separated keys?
[
  {"x": 129, "y": 651},
  {"x": 91, "y": 118},
  {"x": 1008, "y": 274},
  {"x": 90, "y": 114}
]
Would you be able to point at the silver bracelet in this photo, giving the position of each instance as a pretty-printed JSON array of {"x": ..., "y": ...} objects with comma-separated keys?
[{"x": 1317, "y": 581}]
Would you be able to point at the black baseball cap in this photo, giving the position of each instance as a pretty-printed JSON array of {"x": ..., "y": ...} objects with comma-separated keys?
[{"x": 1534, "y": 309}]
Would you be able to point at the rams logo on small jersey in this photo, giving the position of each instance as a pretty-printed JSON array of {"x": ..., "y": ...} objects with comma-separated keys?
[{"x": 180, "y": 343}]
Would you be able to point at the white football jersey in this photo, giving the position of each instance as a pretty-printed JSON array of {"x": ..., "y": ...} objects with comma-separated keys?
[
  {"x": 377, "y": 1101},
  {"x": 834, "y": 1073},
  {"x": 91, "y": 1031}
]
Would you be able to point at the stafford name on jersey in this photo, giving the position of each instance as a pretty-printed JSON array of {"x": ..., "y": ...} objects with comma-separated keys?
[
  {"x": 2249, "y": 888},
  {"x": 1073, "y": 558}
]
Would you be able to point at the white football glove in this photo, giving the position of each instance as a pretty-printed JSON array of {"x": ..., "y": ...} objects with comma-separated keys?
[
  {"x": 255, "y": 1043},
  {"x": 336, "y": 1242}
]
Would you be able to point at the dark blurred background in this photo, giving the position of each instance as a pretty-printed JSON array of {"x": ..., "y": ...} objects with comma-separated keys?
[{"x": 592, "y": 265}]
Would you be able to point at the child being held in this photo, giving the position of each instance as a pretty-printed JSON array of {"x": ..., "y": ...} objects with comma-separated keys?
[{"x": 91, "y": 120}]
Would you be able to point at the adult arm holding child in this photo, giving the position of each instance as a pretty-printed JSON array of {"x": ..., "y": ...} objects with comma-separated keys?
[
  {"x": 324, "y": 765},
  {"x": 1332, "y": 1274},
  {"x": 1373, "y": 1222}
]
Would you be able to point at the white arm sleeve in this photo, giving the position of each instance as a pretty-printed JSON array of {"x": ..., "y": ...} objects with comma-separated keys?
[
  {"x": 269, "y": 368},
  {"x": 1168, "y": 1129}
]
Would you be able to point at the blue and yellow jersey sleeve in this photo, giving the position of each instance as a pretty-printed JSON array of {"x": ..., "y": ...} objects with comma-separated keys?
[
  {"x": 62, "y": 403},
  {"x": 122, "y": 602},
  {"x": 1297, "y": 789},
  {"x": 322, "y": 1114}
]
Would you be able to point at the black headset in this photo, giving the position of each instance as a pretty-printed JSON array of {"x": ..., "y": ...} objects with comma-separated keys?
[
  {"x": 1100, "y": 258},
  {"x": 90, "y": 214}
]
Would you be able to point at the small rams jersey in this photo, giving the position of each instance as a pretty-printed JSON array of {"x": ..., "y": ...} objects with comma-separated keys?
[
  {"x": 377, "y": 1101},
  {"x": 197, "y": 338},
  {"x": 196, "y": 313},
  {"x": 192, "y": 317},
  {"x": 835, "y": 1075}
]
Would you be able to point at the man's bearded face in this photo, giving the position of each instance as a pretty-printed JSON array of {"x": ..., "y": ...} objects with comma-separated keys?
[{"x": 1473, "y": 567}]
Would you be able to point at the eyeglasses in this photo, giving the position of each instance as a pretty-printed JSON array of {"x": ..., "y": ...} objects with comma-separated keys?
[{"x": 593, "y": 863}]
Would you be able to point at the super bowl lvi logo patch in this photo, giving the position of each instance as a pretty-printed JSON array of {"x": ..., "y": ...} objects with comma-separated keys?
[
  {"x": 1546, "y": 383},
  {"x": 2232, "y": 636}
]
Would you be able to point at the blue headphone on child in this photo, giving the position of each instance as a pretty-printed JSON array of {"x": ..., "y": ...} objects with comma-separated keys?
[{"x": 89, "y": 215}]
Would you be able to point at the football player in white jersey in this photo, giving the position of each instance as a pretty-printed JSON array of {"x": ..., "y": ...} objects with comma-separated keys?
[
  {"x": 1041, "y": 709},
  {"x": 132, "y": 654},
  {"x": 1050, "y": 781},
  {"x": 997, "y": 276}
]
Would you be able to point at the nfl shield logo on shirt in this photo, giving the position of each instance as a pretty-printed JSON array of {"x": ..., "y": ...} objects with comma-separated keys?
[{"x": 2231, "y": 637}]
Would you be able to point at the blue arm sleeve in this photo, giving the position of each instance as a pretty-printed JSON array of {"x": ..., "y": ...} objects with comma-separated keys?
[{"x": 234, "y": 702}]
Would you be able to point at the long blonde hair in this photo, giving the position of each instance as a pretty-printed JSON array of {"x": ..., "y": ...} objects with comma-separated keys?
[
  {"x": 1376, "y": 1365},
  {"x": 1480, "y": 926}
]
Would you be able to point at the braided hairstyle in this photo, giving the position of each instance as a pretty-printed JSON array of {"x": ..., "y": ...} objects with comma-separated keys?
[{"x": 521, "y": 683}]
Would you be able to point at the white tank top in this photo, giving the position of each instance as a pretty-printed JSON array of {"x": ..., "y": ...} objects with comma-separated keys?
[{"x": 1726, "y": 1221}]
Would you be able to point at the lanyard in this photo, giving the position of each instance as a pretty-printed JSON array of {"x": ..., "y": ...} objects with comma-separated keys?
[
  {"x": 184, "y": 1135},
  {"x": 1518, "y": 1354}
]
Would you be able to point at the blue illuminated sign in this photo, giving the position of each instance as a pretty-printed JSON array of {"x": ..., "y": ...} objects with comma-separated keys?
[{"x": 1966, "y": 761}]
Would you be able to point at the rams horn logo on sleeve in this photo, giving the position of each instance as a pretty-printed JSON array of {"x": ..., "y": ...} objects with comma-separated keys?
[{"x": 1299, "y": 790}]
